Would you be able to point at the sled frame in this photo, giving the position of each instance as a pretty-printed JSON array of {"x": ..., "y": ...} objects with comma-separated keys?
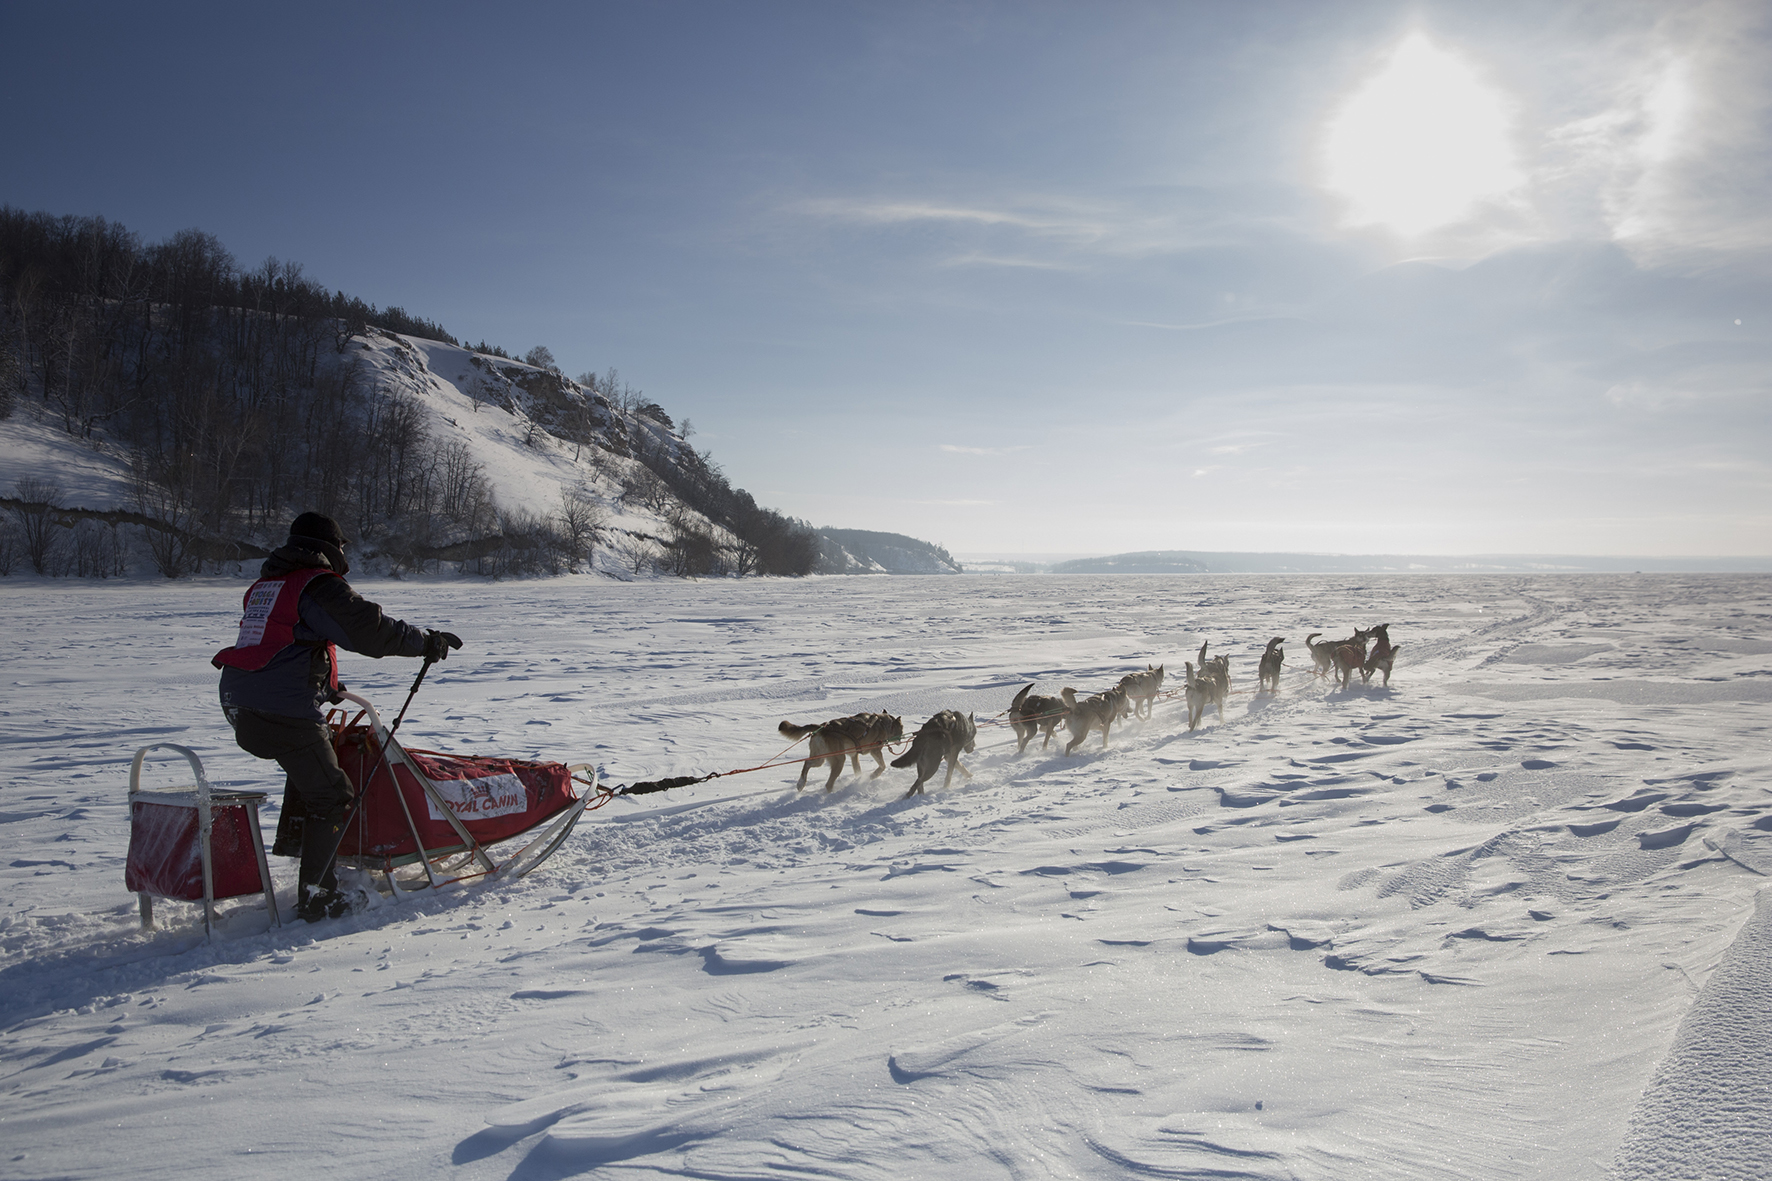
[
  {"x": 472, "y": 851},
  {"x": 204, "y": 800}
]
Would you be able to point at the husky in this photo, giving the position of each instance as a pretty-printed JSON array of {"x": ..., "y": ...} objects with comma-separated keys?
[
  {"x": 1096, "y": 710},
  {"x": 1210, "y": 686},
  {"x": 1197, "y": 692},
  {"x": 1383, "y": 654},
  {"x": 1348, "y": 659},
  {"x": 1141, "y": 689},
  {"x": 1030, "y": 713},
  {"x": 1323, "y": 655},
  {"x": 947, "y": 735},
  {"x": 840, "y": 737},
  {"x": 1271, "y": 660}
]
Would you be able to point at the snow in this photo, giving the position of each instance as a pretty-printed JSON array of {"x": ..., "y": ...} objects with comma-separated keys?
[{"x": 1499, "y": 920}]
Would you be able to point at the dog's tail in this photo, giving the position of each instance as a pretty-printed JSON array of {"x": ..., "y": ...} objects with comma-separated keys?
[
  {"x": 793, "y": 731},
  {"x": 909, "y": 757},
  {"x": 1015, "y": 706}
]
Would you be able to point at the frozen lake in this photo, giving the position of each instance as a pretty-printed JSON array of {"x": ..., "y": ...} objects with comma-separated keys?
[{"x": 1449, "y": 928}]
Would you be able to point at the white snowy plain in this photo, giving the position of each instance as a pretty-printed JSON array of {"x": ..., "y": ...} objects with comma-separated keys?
[{"x": 1497, "y": 920}]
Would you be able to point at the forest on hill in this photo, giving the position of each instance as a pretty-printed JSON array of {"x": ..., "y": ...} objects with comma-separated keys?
[{"x": 240, "y": 396}]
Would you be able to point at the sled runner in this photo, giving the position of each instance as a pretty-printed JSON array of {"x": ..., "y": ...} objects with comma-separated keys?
[
  {"x": 444, "y": 812},
  {"x": 194, "y": 844}
]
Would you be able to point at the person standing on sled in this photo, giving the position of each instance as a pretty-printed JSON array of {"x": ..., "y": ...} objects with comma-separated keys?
[{"x": 284, "y": 666}]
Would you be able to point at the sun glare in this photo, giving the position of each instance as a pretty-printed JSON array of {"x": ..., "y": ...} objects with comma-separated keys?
[{"x": 1420, "y": 143}]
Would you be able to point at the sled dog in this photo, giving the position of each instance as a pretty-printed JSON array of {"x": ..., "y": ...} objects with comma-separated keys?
[
  {"x": 1141, "y": 689},
  {"x": 1211, "y": 685},
  {"x": 1030, "y": 713},
  {"x": 947, "y": 735},
  {"x": 1197, "y": 692},
  {"x": 1323, "y": 655},
  {"x": 1383, "y": 654},
  {"x": 1098, "y": 710},
  {"x": 1269, "y": 674},
  {"x": 838, "y": 738}
]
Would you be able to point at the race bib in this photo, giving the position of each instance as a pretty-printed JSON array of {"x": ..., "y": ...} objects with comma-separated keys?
[{"x": 259, "y": 601}]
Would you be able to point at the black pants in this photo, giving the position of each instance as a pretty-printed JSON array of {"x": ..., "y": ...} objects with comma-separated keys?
[{"x": 315, "y": 786}]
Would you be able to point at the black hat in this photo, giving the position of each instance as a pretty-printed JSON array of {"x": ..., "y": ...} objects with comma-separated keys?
[{"x": 318, "y": 528}]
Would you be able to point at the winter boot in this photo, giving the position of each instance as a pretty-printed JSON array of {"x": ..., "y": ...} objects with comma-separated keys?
[
  {"x": 317, "y": 904},
  {"x": 289, "y": 825},
  {"x": 320, "y": 837}
]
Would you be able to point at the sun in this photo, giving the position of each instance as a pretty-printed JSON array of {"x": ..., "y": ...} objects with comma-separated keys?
[{"x": 1421, "y": 143}]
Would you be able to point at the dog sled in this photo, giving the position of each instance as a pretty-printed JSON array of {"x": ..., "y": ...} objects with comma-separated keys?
[
  {"x": 453, "y": 817},
  {"x": 445, "y": 813}
]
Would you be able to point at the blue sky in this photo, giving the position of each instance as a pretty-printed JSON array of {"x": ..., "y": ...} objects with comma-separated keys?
[{"x": 1020, "y": 278}]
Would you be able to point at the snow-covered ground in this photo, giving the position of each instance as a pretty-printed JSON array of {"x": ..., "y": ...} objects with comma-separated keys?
[{"x": 1469, "y": 926}]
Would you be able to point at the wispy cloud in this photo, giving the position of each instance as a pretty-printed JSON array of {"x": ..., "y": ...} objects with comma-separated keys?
[
  {"x": 959, "y": 450},
  {"x": 1067, "y": 226},
  {"x": 986, "y": 260}
]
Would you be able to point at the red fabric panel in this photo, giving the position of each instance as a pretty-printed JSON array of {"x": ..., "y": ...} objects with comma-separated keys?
[
  {"x": 494, "y": 798},
  {"x": 166, "y": 857}
]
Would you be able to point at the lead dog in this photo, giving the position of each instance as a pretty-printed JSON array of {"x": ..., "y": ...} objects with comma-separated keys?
[
  {"x": 1096, "y": 710},
  {"x": 945, "y": 736},
  {"x": 1268, "y": 675},
  {"x": 1030, "y": 713},
  {"x": 1383, "y": 654},
  {"x": 1323, "y": 655},
  {"x": 1141, "y": 689},
  {"x": 838, "y": 738}
]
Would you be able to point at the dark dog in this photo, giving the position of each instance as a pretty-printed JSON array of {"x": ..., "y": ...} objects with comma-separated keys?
[
  {"x": 1382, "y": 656},
  {"x": 1030, "y": 714},
  {"x": 1141, "y": 689},
  {"x": 1323, "y": 655},
  {"x": 1268, "y": 675},
  {"x": 838, "y": 738},
  {"x": 1098, "y": 710},
  {"x": 1211, "y": 685},
  {"x": 947, "y": 735}
]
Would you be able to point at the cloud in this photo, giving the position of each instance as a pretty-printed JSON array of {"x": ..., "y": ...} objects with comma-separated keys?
[
  {"x": 959, "y": 450},
  {"x": 1050, "y": 225},
  {"x": 985, "y": 260}
]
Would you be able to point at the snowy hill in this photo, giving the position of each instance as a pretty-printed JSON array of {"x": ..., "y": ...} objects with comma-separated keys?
[
  {"x": 865, "y": 551},
  {"x": 488, "y": 461}
]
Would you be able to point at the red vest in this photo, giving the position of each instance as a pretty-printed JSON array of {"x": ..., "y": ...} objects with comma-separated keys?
[{"x": 272, "y": 607}]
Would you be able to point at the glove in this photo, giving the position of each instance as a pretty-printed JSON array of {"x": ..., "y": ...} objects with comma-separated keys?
[{"x": 438, "y": 644}]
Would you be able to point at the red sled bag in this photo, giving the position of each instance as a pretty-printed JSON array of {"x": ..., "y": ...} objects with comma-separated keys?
[{"x": 424, "y": 807}]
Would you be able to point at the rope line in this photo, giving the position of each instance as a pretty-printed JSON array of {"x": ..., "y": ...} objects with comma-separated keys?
[{"x": 650, "y": 786}]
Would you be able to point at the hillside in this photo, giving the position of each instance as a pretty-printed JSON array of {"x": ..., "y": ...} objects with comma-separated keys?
[
  {"x": 863, "y": 551},
  {"x": 164, "y": 410}
]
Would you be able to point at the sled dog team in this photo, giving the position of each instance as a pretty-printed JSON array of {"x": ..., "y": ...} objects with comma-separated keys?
[{"x": 949, "y": 734}]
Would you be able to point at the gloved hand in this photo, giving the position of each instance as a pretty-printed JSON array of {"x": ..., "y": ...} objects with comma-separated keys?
[{"x": 438, "y": 644}]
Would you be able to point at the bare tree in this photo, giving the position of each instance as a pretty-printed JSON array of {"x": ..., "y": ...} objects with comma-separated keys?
[
  {"x": 582, "y": 517},
  {"x": 643, "y": 487},
  {"x": 542, "y": 358},
  {"x": 170, "y": 503},
  {"x": 636, "y": 551},
  {"x": 37, "y": 527}
]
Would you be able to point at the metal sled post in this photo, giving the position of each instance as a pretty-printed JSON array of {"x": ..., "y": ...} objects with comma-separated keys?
[
  {"x": 392, "y": 750},
  {"x": 204, "y": 801}
]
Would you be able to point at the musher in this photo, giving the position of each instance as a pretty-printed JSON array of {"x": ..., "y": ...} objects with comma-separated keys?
[{"x": 284, "y": 666}]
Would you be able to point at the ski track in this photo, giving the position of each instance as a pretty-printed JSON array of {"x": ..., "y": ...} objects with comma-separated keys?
[{"x": 1456, "y": 927}]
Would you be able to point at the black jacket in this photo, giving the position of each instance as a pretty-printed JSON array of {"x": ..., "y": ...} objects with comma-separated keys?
[{"x": 294, "y": 683}]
